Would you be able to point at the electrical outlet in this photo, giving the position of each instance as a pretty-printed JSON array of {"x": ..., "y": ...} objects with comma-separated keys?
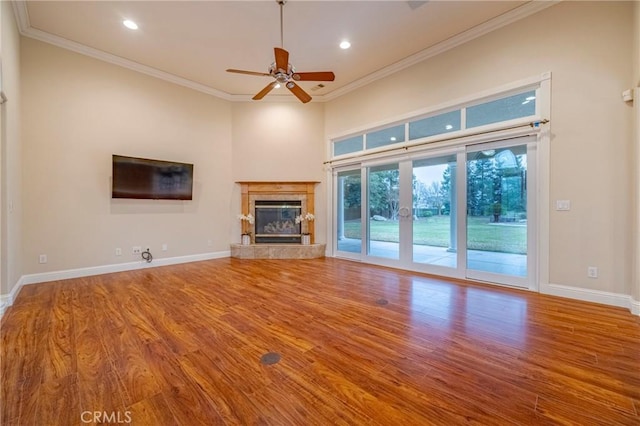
[
  {"x": 209, "y": 243},
  {"x": 42, "y": 258},
  {"x": 592, "y": 272},
  {"x": 165, "y": 247},
  {"x": 136, "y": 250},
  {"x": 118, "y": 251}
]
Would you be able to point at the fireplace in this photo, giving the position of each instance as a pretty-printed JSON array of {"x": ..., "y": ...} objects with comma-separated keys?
[
  {"x": 275, "y": 206},
  {"x": 275, "y": 221}
]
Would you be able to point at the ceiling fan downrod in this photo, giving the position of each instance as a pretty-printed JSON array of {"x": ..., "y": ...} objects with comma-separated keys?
[{"x": 281, "y": 3}]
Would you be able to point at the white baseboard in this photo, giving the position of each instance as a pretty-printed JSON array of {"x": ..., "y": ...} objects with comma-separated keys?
[
  {"x": 7, "y": 300},
  {"x": 596, "y": 296},
  {"x": 635, "y": 306}
]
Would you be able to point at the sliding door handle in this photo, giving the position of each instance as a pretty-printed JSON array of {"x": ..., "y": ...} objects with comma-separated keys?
[{"x": 404, "y": 212}]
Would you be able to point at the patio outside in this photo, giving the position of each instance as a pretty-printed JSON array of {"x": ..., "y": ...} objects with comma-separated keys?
[{"x": 492, "y": 247}]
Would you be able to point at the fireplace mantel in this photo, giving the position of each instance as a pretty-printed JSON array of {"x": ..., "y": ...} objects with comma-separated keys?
[{"x": 305, "y": 191}]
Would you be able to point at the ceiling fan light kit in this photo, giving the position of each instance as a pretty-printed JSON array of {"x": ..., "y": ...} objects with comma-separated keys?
[{"x": 284, "y": 73}]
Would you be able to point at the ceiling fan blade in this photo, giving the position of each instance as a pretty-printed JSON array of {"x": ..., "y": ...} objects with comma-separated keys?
[
  {"x": 282, "y": 59},
  {"x": 314, "y": 76},
  {"x": 297, "y": 90},
  {"x": 249, "y": 72},
  {"x": 264, "y": 91}
]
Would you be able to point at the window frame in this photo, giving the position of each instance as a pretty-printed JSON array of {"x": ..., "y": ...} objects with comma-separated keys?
[{"x": 515, "y": 88}]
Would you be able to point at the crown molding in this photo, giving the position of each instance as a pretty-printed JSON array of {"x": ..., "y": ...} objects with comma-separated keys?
[
  {"x": 25, "y": 28},
  {"x": 21, "y": 14},
  {"x": 505, "y": 19},
  {"x": 530, "y": 8}
]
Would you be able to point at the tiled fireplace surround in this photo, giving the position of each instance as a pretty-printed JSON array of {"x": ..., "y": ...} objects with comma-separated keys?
[{"x": 285, "y": 191}]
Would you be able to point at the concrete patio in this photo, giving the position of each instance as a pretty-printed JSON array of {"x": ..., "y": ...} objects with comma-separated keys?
[{"x": 488, "y": 261}]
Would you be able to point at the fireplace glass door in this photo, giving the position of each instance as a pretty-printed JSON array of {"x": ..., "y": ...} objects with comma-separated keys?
[{"x": 275, "y": 221}]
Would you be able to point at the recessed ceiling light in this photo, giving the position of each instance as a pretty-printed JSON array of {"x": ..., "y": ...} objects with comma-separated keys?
[
  {"x": 130, "y": 24},
  {"x": 345, "y": 44}
]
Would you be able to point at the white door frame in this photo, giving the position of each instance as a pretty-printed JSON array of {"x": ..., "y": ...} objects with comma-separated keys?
[{"x": 528, "y": 282}]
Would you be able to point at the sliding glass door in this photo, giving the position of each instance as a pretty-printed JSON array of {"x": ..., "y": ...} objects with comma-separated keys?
[
  {"x": 383, "y": 211},
  {"x": 348, "y": 233},
  {"x": 498, "y": 220},
  {"x": 465, "y": 213},
  {"x": 434, "y": 206}
]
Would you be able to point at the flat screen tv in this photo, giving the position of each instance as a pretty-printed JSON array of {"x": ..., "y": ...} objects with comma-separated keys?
[{"x": 142, "y": 178}]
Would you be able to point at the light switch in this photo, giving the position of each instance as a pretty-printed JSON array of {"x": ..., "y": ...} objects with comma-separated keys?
[{"x": 563, "y": 205}]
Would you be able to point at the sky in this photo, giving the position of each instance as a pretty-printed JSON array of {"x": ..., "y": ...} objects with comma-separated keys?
[{"x": 428, "y": 174}]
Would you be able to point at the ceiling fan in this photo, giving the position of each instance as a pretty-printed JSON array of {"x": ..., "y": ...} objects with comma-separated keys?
[{"x": 284, "y": 73}]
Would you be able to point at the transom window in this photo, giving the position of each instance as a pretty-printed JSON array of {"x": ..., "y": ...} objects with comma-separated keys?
[
  {"x": 388, "y": 136},
  {"x": 435, "y": 125},
  {"x": 346, "y": 146},
  {"x": 504, "y": 109},
  {"x": 468, "y": 116}
]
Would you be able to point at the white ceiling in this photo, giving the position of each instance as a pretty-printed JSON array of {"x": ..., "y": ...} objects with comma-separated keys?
[{"x": 194, "y": 42}]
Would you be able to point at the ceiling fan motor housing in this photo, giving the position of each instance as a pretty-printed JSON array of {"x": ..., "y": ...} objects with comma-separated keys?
[{"x": 281, "y": 75}]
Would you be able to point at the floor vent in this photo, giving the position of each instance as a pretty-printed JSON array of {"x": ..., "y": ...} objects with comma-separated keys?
[{"x": 270, "y": 358}]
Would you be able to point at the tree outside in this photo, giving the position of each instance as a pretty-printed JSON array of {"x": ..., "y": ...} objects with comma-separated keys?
[{"x": 496, "y": 193}]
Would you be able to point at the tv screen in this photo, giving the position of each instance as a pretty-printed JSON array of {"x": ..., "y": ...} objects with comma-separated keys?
[{"x": 143, "y": 178}]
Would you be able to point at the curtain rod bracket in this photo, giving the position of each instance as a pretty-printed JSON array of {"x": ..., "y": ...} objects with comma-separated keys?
[{"x": 535, "y": 124}]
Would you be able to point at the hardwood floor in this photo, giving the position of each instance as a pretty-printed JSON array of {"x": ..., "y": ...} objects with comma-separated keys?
[{"x": 181, "y": 345}]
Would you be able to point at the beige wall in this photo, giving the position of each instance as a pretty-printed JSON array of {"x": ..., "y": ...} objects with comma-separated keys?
[
  {"x": 94, "y": 109},
  {"x": 279, "y": 141},
  {"x": 636, "y": 44},
  {"x": 10, "y": 155},
  {"x": 586, "y": 46},
  {"x": 79, "y": 111}
]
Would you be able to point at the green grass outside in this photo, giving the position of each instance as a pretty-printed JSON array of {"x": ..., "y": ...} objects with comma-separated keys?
[{"x": 434, "y": 231}]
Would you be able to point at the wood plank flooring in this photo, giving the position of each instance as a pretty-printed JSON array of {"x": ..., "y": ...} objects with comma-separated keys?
[{"x": 181, "y": 345}]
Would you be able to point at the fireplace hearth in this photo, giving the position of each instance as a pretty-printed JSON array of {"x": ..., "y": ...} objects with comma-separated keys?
[{"x": 275, "y": 221}]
